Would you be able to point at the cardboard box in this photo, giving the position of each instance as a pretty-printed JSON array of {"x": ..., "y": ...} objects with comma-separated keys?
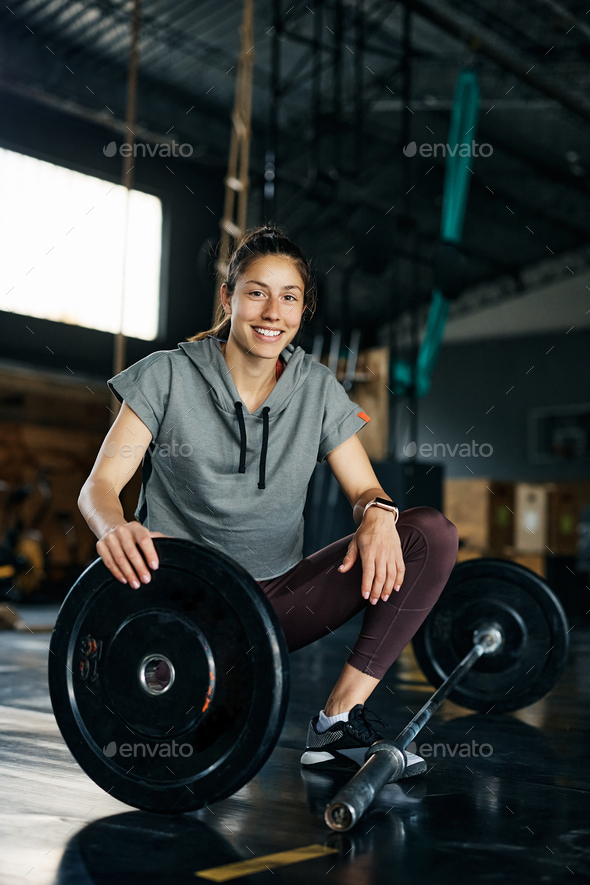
[
  {"x": 531, "y": 517},
  {"x": 482, "y": 510}
]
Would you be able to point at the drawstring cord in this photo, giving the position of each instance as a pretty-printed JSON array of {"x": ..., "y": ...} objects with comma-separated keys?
[
  {"x": 242, "y": 468},
  {"x": 261, "y": 476},
  {"x": 265, "y": 428}
]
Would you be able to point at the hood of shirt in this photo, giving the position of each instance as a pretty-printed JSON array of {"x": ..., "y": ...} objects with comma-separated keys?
[{"x": 207, "y": 357}]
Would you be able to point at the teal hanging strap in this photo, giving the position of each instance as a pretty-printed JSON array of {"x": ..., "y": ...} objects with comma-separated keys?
[
  {"x": 430, "y": 346},
  {"x": 455, "y": 192},
  {"x": 462, "y": 132}
]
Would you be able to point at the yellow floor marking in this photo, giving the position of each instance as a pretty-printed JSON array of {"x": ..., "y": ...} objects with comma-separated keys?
[{"x": 257, "y": 864}]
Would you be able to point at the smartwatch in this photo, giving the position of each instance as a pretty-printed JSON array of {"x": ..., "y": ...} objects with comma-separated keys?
[{"x": 385, "y": 505}]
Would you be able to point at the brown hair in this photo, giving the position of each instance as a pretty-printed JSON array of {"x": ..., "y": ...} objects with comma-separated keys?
[{"x": 253, "y": 244}]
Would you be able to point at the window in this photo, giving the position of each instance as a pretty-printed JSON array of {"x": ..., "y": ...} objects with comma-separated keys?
[{"x": 62, "y": 248}]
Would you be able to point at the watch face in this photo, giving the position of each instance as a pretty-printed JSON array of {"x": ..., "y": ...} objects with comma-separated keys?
[{"x": 385, "y": 502}]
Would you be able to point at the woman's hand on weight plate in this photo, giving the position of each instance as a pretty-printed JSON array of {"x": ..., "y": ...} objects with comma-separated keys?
[{"x": 120, "y": 549}]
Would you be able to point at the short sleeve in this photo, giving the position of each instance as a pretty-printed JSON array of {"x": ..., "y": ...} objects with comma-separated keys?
[
  {"x": 342, "y": 418},
  {"x": 145, "y": 387}
]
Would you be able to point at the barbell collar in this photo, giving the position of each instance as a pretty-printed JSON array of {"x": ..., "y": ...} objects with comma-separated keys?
[{"x": 490, "y": 638}]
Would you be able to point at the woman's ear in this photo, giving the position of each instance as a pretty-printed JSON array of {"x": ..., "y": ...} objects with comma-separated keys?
[{"x": 225, "y": 300}]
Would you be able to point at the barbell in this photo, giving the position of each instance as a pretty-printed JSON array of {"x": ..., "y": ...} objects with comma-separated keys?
[
  {"x": 172, "y": 696},
  {"x": 495, "y": 641}
]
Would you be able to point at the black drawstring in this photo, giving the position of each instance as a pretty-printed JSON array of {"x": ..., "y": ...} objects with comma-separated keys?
[
  {"x": 242, "y": 468},
  {"x": 261, "y": 476},
  {"x": 238, "y": 406}
]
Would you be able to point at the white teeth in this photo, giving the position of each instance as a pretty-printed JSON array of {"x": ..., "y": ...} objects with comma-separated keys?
[{"x": 268, "y": 334}]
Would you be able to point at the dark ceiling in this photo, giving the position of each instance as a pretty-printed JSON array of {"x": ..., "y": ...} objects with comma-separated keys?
[{"x": 353, "y": 81}]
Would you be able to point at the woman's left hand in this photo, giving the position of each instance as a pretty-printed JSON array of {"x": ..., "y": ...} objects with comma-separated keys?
[{"x": 378, "y": 543}]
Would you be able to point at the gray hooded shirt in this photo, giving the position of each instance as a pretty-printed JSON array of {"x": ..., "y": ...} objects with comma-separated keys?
[{"x": 218, "y": 475}]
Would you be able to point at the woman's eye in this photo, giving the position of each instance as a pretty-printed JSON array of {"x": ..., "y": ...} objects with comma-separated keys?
[{"x": 288, "y": 295}]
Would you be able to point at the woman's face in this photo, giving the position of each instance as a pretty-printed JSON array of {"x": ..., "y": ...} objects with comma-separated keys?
[{"x": 268, "y": 296}]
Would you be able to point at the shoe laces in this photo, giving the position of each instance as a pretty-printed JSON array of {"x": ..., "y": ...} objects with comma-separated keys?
[{"x": 365, "y": 727}]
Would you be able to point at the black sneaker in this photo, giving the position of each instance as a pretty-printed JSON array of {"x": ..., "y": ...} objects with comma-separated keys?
[{"x": 342, "y": 747}]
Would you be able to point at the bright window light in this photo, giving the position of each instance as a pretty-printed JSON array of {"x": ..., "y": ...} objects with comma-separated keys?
[{"x": 62, "y": 248}]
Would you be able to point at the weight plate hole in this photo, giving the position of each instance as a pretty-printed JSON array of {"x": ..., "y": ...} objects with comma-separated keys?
[{"x": 156, "y": 674}]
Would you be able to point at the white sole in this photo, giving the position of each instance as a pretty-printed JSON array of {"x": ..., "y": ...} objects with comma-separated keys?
[
  {"x": 312, "y": 757},
  {"x": 416, "y": 765}
]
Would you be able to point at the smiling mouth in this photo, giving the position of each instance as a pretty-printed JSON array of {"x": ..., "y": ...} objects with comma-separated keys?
[{"x": 269, "y": 334}]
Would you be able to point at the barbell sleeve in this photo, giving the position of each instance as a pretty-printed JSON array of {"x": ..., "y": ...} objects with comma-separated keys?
[{"x": 385, "y": 760}]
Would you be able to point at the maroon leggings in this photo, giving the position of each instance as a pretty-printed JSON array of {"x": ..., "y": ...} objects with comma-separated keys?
[{"x": 313, "y": 598}]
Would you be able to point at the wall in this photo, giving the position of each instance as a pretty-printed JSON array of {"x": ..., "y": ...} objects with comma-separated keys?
[
  {"x": 482, "y": 392},
  {"x": 189, "y": 218}
]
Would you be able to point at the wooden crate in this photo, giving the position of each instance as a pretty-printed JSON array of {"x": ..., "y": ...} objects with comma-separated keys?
[
  {"x": 373, "y": 397},
  {"x": 68, "y": 456},
  {"x": 482, "y": 510},
  {"x": 466, "y": 553},
  {"x": 564, "y": 506},
  {"x": 369, "y": 390},
  {"x": 44, "y": 397},
  {"x": 58, "y": 422},
  {"x": 537, "y": 562}
]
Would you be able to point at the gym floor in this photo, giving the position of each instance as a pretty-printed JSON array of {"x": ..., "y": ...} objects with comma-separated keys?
[{"x": 519, "y": 813}]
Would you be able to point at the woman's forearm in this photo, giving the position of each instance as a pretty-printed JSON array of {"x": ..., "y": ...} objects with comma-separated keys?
[
  {"x": 100, "y": 506},
  {"x": 368, "y": 495}
]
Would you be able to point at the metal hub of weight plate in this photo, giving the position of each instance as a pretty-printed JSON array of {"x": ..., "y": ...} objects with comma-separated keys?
[
  {"x": 510, "y": 597},
  {"x": 171, "y": 696}
]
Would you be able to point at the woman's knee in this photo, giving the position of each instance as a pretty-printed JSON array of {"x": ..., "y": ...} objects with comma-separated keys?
[{"x": 439, "y": 531}]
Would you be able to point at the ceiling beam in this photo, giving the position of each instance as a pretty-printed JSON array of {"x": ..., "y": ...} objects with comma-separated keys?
[{"x": 478, "y": 41}]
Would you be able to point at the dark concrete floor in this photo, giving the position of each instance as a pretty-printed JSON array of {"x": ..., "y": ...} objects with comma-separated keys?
[{"x": 520, "y": 814}]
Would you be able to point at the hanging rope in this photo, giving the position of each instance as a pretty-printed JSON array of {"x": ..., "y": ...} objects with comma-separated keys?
[
  {"x": 237, "y": 182},
  {"x": 127, "y": 181}
]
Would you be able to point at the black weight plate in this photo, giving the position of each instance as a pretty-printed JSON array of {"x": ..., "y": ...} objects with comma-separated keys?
[
  {"x": 531, "y": 619},
  {"x": 160, "y": 743}
]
